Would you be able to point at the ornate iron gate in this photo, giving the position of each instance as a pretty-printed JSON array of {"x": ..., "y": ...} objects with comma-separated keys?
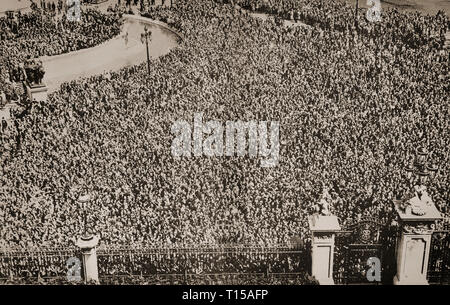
[
  {"x": 439, "y": 261},
  {"x": 356, "y": 243}
]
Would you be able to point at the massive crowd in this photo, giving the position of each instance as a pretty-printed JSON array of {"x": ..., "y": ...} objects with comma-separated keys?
[
  {"x": 44, "y": 32},
  {"x": 352, "y": 109},
  {"x": 413, "y": 29},
  {"x": 214, "y": 260}
]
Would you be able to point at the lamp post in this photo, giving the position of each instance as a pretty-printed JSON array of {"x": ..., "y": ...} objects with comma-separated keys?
[
  {"x": 83, "y": 201},
  {"x": 147, "y": 35},
  {"x": 419, "y": 168}
]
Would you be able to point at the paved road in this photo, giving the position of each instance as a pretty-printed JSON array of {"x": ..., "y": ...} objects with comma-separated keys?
[
  {"x": 109, "y": 56},
  {"x": 6, "y": 5}
]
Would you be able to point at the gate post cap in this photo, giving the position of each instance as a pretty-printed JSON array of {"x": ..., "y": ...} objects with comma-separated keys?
[
  {"x": 321, "y": 223},
  {"x": 431, "y": 213},
  {"x": 86, "y": 244}
]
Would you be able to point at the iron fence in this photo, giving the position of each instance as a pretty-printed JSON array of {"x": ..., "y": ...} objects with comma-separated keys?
[
  {"x": 439, "y": 260},
  {"x": 231, "y": 264},
  {"x": 45, "y": 264},
  {"x": 201, "y": 261},
  {"x": 357, "y": 243},
  {"x": 212, "y": 279}
]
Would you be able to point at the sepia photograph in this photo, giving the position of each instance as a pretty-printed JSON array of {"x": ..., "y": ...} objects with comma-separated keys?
[{"x": 224, "y": 143}]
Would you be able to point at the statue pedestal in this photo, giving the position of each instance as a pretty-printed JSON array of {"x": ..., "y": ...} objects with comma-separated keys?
[
  {"x": 323, "y": 230},
  {"x": 89, "y": 251},
  {"x": 414, "y": 247},
  {"x": 36, "y": 92}
]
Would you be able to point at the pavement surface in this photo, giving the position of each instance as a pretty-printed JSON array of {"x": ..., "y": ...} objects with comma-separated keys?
[{"x": 121, "y": 51}]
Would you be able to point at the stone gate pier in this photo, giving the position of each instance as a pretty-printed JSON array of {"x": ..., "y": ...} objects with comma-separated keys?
[
  {"x": 413, "y": 248},
  {"x": 88, "y": 246},
  {"x": 323, "y": 229}
]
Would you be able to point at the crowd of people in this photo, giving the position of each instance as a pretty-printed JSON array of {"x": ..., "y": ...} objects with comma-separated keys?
[
  {"x": 202, "y": 261},
  {"x": 217, "y": 279},
  {"x": 45, "y": 32},
  {"x": 352, "y": 111},
  {"x": 413, "y": 29},
  {"x": 34, "y": 265}
]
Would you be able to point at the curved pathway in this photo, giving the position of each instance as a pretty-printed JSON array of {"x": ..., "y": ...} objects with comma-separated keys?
[
  {"x": 265, "y": 16},
  {"x": 111, "y": 55}
]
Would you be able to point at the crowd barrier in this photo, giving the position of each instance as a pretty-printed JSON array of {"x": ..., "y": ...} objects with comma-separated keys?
[{"x": 206, "y": 264}]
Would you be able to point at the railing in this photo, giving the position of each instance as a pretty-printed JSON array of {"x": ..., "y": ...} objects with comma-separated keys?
[
  {"x": 443, "y": 224},
  {"x": 203, "y": 247},
  {"x": 201, "y": 261},
  {"x": 45, "y": 264},
  {"x": 232, "y": 264},
  {"x": 356, "y": 244},
  {"x": 439, "y": 261},
  {"x": 212, "y": 279},
  {"x": 227, "y": 264}
]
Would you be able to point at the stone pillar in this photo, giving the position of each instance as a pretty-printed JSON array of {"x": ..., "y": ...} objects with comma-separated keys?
[
  {"x": 413, "y": 249},
  {"x": 323, "y": 230},
  {"x": 88, "y": 248},
  {"x": 37, "y": 92}
]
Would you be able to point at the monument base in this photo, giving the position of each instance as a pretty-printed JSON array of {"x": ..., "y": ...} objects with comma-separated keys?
[
  {"x": 397, "y": 281},
  {"x": 37, "y": 93}
]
